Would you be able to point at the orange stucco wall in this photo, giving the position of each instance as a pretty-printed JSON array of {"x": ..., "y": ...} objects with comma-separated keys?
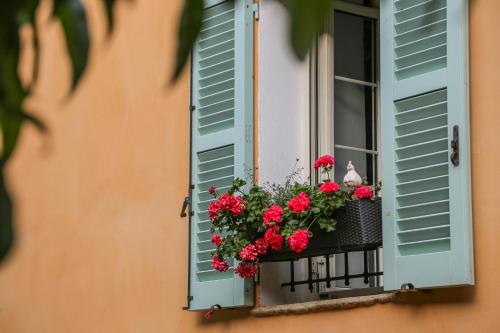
[{"x": 100, "y": 245}]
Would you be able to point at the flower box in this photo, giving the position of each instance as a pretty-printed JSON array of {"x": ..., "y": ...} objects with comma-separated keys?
[{"x": 358, "y": 228}]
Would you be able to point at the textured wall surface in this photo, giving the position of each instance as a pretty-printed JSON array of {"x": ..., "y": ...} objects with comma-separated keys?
[{"x": 100, "y": 245}]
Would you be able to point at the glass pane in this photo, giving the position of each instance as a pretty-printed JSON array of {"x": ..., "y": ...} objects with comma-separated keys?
[
  {"x": 353, "y": 118},
  {"x": 364, "y": 164},
  {"x": 368, "y": 3},
  {"x": 354, "y": 45}
]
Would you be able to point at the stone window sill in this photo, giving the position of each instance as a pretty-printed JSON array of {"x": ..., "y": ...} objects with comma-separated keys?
[{"x": 325, "y": 305}]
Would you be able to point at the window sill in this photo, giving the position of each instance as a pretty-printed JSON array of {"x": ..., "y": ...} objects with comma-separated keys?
[{"x": 324, "y": 305}]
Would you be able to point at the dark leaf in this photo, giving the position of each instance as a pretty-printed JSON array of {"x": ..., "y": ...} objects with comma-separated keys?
[
  {"x": 12, "y": 93},
  {"x": 6, "y": 217},
  {"x": 10, "y": 122},
  {"x": 108, "y": 6},
  {"x": 37, "y": 122},
  {"x": 28, "y": 15},
  {"x": 308, "y": 19},
  {"x": 71, "y": 14},
  {"x": 189, "y": 27}
]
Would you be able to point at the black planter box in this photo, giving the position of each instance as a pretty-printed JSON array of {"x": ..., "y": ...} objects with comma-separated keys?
[{"x": 359, "y": 228}]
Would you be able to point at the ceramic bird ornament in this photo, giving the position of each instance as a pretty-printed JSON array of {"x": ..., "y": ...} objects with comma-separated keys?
[{"x": 352, "y": 178}]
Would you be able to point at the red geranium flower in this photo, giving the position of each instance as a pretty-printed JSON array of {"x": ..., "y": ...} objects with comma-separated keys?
[
  {"x": 212, "y": 190},
  {"x": 213, "y": 210},
  {"x": 329, "y": 187},
  {"x": 249, "y": 253},
  {"x": 238, "y": 206},
  {"x": 300, "y": 203},
  {"x": 217, "y": 240},
  {"x": 272, "y": 214},
  {"x": 298, "y": 240},
  {"x": 261, "y": 246},
  {"x": 246, "y": 270},
  {"x": 363, "y": 192},
  {"x": 219, "y": 264},
  {"x": 324, "y": 161},
  {"x": 230, "y": 203},
  {"x": 274, "y": 238}
]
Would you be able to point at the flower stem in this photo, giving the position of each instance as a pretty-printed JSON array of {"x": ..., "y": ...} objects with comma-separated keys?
[{"x": 310, "y": 225}]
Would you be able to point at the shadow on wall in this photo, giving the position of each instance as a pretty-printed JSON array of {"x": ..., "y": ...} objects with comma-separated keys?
[
  {"x": 416, "y": 300},
  {"x": 438, "y": 296}
]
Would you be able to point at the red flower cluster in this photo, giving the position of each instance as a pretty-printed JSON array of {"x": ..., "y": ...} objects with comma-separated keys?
[
  {"x": 300, "y": 203},
  {"x": 272, "y": 214},
  {"x": 261, "y": 246},
  {"x": 212, "y": 190},
  {"x": 324, "y": 162},
  {"x": 219, "y": 264},
  {"x": 213, "y": 210},
  {"x": 246, "y": 270},
  {"x": 273, "y": 238},
  {"x": 227, "y": 203},
  {"x": 249, "y": 253},
  {"x": 217, "y": 240},
  {"x": 363, "y": 192},
  {"x": 329, "y": 187},
  {"x": 298, "y": 240}
]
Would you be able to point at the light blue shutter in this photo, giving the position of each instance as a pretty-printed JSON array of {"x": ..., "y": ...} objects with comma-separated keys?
[
  {"x": 221, "y": 139},
  {"x": 424, "y": 90}
]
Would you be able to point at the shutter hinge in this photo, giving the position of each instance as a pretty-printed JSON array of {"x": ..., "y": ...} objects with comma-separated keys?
[
  {"x": 406, "y": 287},
  {"x": 189, "y": 299},
  {"x": 186, "y": 204},
  {"x": 192, "y": 108},
  {"x": 255, "y": 9}
]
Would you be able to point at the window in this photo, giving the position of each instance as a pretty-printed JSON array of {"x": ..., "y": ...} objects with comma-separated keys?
[
  {"x": 393, "y": 116},
  {"x": 352, "y": 130},
  {"x": 351, "y": 134}
]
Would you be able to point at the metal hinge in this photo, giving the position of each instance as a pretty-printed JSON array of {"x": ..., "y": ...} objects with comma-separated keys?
[
  {"x": 189, "y": 299},
  {"x": 186, "y": 204},
  {"x": 406, "y": 287},
  {"x": 255, "y": 9}
]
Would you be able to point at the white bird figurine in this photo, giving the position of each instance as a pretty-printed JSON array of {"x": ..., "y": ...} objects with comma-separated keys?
[{"x": 352, "y": 178}]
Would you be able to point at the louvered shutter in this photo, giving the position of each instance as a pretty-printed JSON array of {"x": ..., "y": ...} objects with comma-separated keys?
[
  {"x": 424, "y": 91},
  {"x": 221, "y": 140}
]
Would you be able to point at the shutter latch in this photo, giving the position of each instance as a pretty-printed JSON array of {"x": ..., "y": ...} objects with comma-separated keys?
[
  {"x": 455, "y": 147},
  {"x": 187, "y": 203}
]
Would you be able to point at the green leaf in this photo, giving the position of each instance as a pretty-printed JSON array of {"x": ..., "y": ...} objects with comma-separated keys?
[
  {"x": 6, "y": 217},
  {"x": 308, "y": 20},
  {"x": 109, "y": 6},
  {"x": 189, "y": 28},
  {"x": 37, "y": 122},
  {"x": 11, "y": 126},
  {"x": 71, "y": 14}
]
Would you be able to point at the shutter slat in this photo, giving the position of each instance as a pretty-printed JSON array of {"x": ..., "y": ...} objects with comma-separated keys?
[{"x": 420, "y": 44}]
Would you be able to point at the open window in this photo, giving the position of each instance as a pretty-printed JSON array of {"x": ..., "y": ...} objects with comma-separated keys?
[{"x": 386, "y": 89}]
